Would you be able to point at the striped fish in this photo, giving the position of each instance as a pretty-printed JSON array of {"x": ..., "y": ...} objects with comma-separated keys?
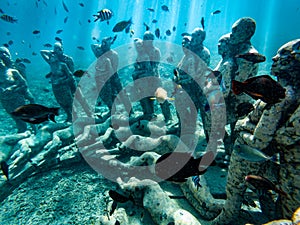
[
  {"x": 104, "y": 14},
  {"x": 8, "y": 18}
]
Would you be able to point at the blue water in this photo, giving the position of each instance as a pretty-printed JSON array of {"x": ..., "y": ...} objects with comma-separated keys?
[{"x": 278, "y": 22}]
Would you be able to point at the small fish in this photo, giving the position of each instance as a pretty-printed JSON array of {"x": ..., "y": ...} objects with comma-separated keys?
[
  {"x": 252, "y": 154},
  {"x": 58, "y": 39},
  {"x": 216, "y": 12},
  {"x": 10, "y": 42},
  {"x": 168, "y": 32},
  {"x": 178, "y": 166},
  {"x": 244, "y": 109},
  {"x": 26, "y": 60},
  {"x": 174, "y": 28},
  {"x": 1, "y": 11},
  {"x": 120, "y": 26},
  {"x": 89, "y": 21},
  {"x": 154, "y": 21},
  {"x": 48, "y": 75},
  {"x": 66, "y": 19},
  {"x": 79, "y": 73},
  {"x": 165, "y": 8},
  {"x": 8, "y": 18},
  {"x": 47, "y": 45},
  {"x": 8, "y": 33},
  {"x": 260, "y": 87},
  {"x": 45, "y": 3},
  {"x": 80, "y": 48},
  {"x": 118, "y": 197},
  {"x": 34, "y": 53},
  {"x": 65, "y": 6},
  {"x": 35, "y": 113},
  {"x": 59, "y": 31},
  {"x": 252, "y": 57},
  {"x": 161, "y": 95},
  {"x": 157, "y": 32},
  {"x": 150, "y": 9},
  {"x": 262, "y": 183},
  {"x": 127, "y": 29},
  {"x": 81, "y": 4},
  {"x": 4, "y": 168},
  {"x": 202, "y": 22},
  {"x": 146, "y": 26},
  {"x": 6, "y": 45},
  {"x": 104, "y": 14},
  {"x": 36, "y": 32},
  {"x": 55, "y": 11}
]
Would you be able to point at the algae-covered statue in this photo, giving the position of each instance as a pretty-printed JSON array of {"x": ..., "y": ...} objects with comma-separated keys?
[{"x": 271, "y": 129}]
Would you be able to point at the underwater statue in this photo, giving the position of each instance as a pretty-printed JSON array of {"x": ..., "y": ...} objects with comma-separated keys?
[{"x": 270, "y": 129}]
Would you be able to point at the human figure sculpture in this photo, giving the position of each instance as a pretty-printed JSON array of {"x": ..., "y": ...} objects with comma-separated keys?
[
  {"x": 63, "y": 83},
  {"x": 13, "y": 88},
  {"x": 272, "y": 129}
]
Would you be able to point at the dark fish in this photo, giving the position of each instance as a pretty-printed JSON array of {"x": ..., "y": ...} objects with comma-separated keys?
[
  {"x": 185, "y": 34},
  {"x": 118, "y": 197},
  {"x": 260, "y": 87},
  {"x": 244, "y": 109},
  {"x": 35, "y": 114},
  {"x": 48, "y": 75},
  {"x": 45, "y": 3},
  {"x": 150, "y": 9},
  {"x": 4, "y": 168},
  {"x": 122, "y": 25},
  {"x": 216, "y": 12},
  {"x": 174, "y": 28},
  {"x": 165, "y": 8},
  {"x": 146, "y": 26},
  {"x": 47, "y": 45},
  {"x": 157, "y": 32},
  {"x": 55, "y": 11},
  {"x": 202, "y": 22},
  {"x": 79, "y": 22},
  {"x": 34, "y": 53},
  {"x": 58, "y": 39},
  {"x": 252, "y": 57},
  {"x": 46, "y": 90},
  {"x": 26, "y": 60},
  {"x": 10, "y": 42},
  {"x": 81, "y": 4},
  {"x": 36, "y": 32},
  {"x": 89, "y": 21},
  {"x": 104, "y": 14},
  {"x": 178, "y": 166},
  {"x": 65, "y": 7},
  {"x": 5, "y": 45},
  {"x": 59, "y": 31},
  {"x": 168, "y": 32},
  {"x": 1, "y": 11},
  {"x": 80, "y": 48},
  {"x": 252, "y": 154},
  {"x": 8, "y": 18},
  {"x": 154, "y": 21},
  {"x": 262, "y": 183},
  {"x": 8, "y": 33},
  {"x": 66, "y": 19},
  {"x": 79, "y": 73}
]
